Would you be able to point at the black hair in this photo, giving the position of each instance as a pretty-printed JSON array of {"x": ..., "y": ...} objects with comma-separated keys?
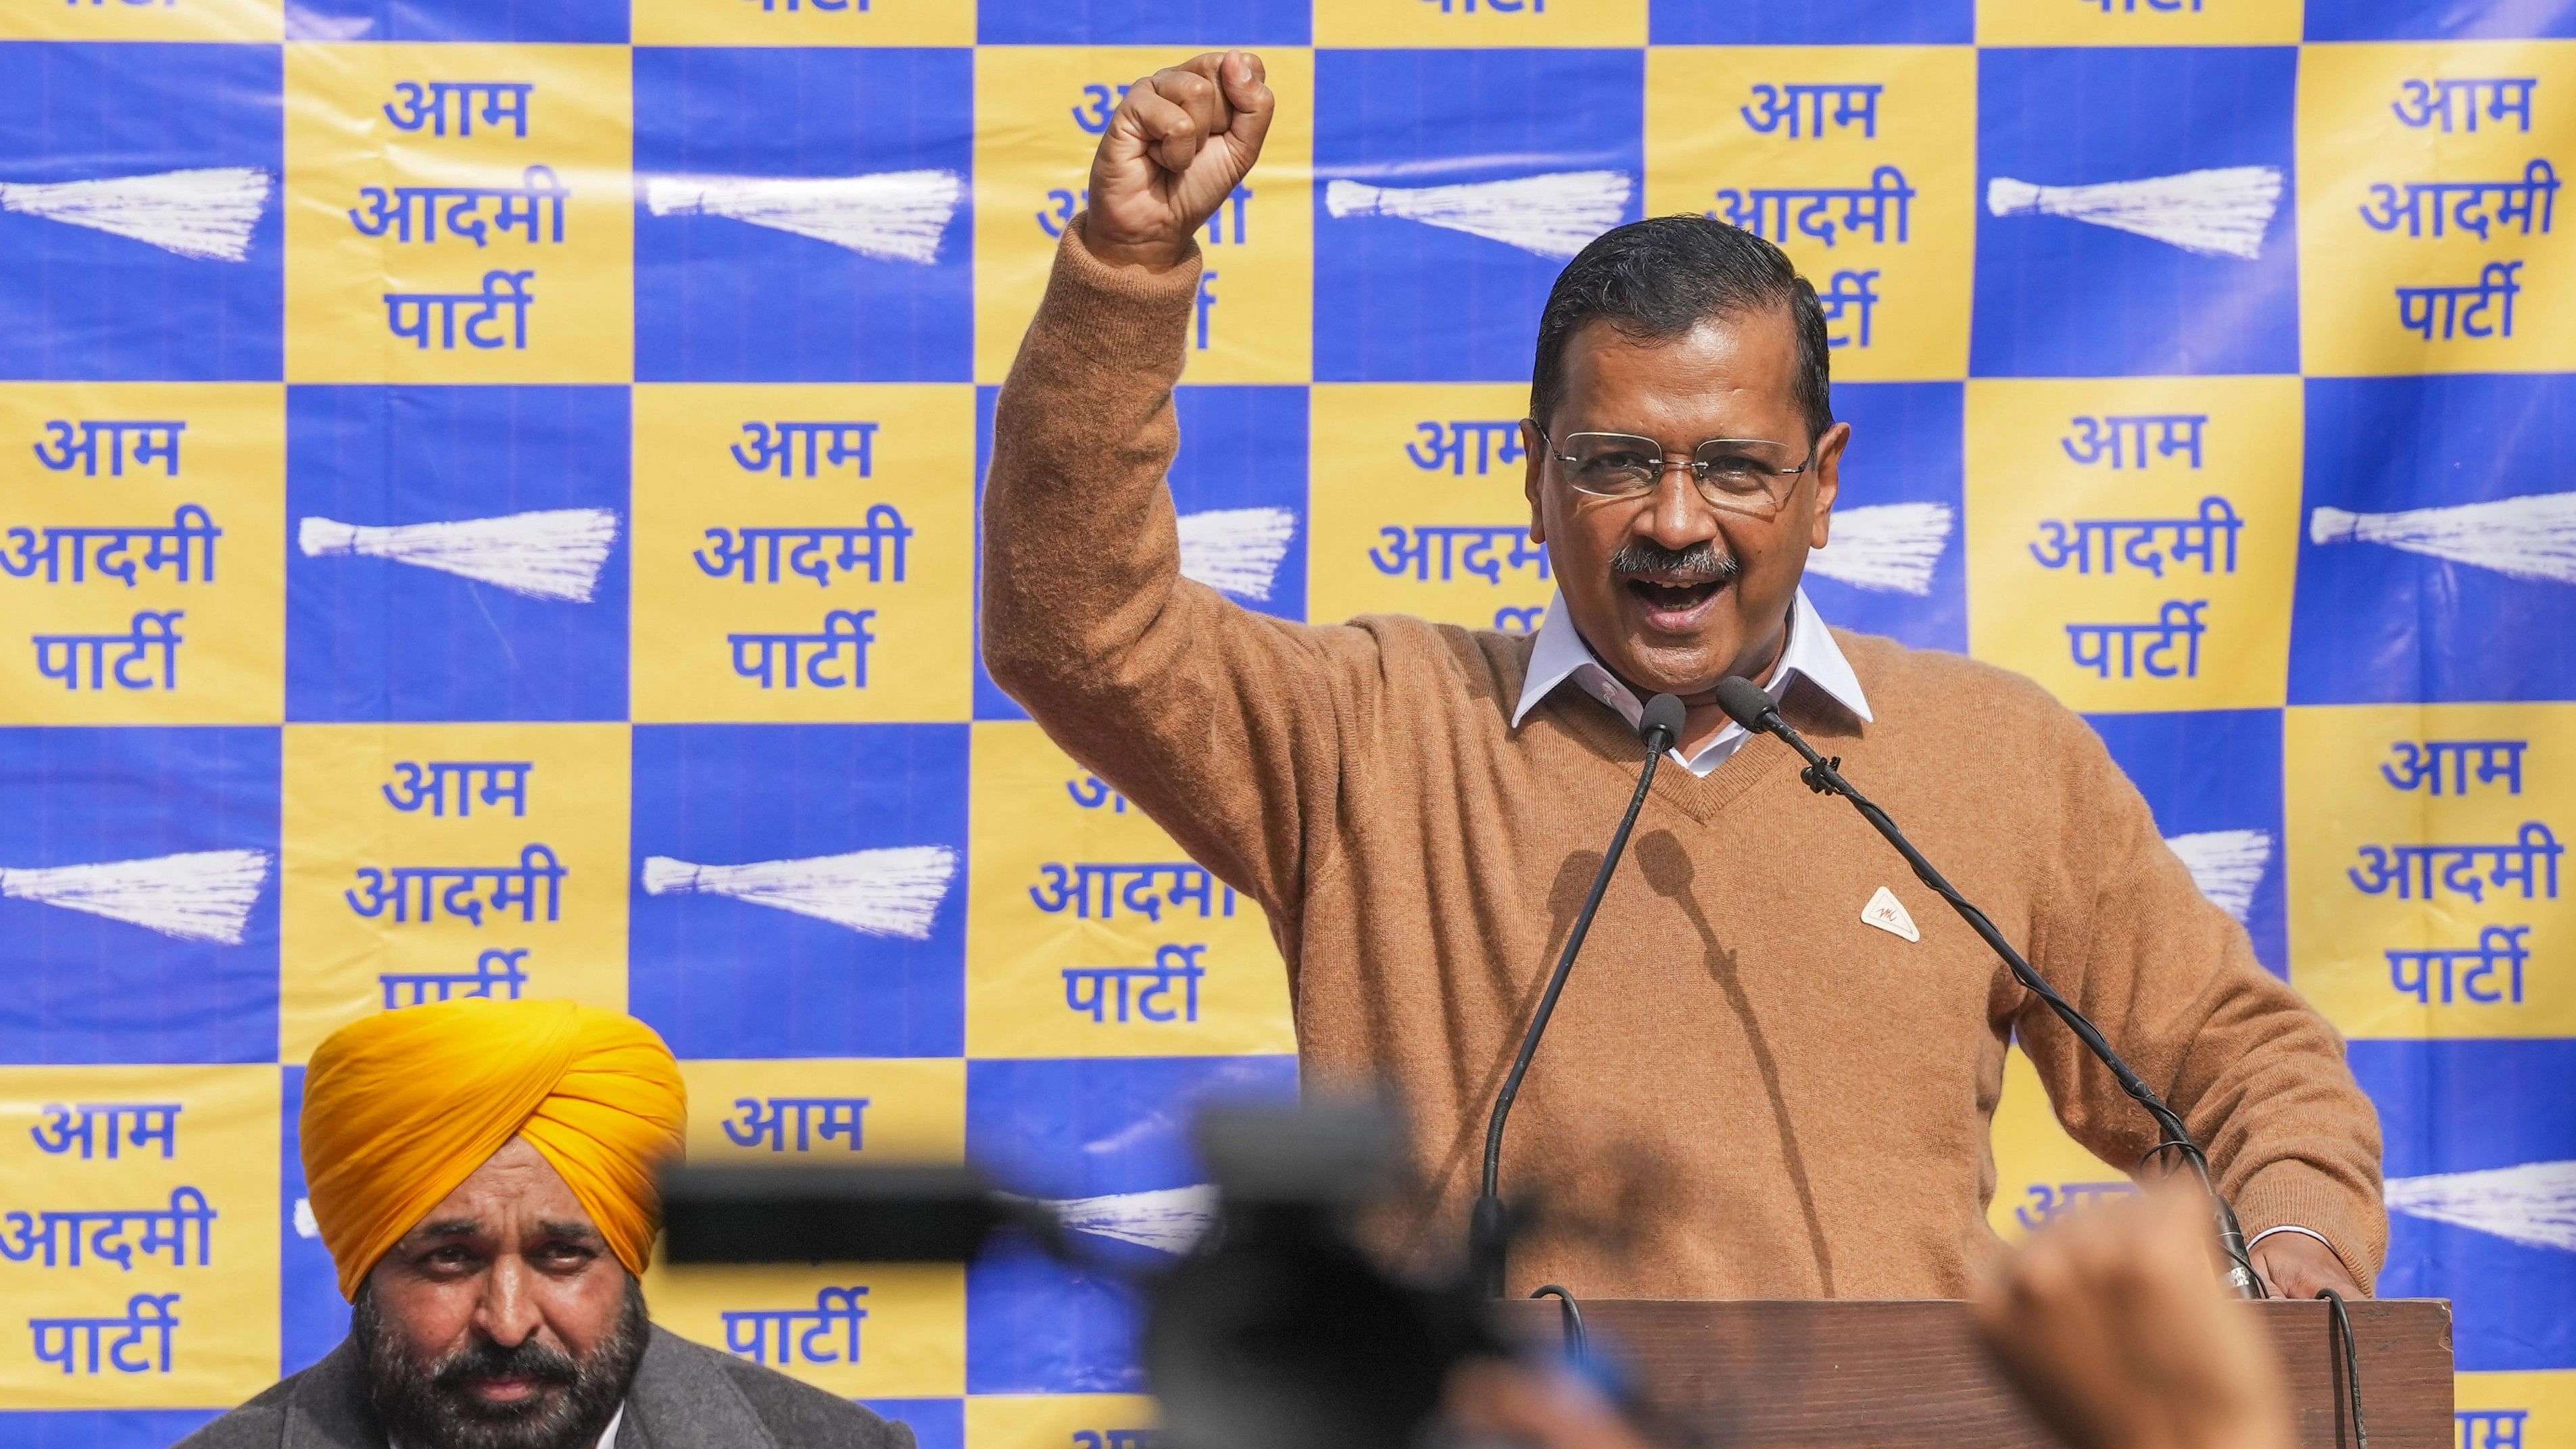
[{"x": 1657, "y": 279}]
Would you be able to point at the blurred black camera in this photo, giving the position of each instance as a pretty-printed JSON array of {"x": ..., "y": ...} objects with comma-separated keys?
[{"x": 1275, "y": 1331}]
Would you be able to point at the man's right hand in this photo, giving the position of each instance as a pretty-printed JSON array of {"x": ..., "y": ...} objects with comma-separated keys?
[{"x": 1183, "y": 139}]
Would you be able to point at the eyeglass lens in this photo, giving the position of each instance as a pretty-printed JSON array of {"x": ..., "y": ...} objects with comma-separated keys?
[{"x": 1619, "y": 463}]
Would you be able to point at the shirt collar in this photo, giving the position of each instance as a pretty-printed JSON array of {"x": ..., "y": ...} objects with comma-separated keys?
[{"x": 1559, "y": 655}]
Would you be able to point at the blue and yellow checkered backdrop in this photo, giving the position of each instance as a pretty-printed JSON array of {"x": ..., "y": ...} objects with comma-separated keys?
[{"x": 489, "y": 491}]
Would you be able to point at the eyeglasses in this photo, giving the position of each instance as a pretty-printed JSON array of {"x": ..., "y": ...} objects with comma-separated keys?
[{"x": 1741, "y": 475}]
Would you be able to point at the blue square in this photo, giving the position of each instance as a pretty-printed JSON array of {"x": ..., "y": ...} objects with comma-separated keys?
[
  {"x": 806, "y": 957},
  {"x": 78, "y": 301},
  {"x": 1087, "y": 1129},
  {"x": 382, "y": 625},
  {"x": 2061, "y": 297},
  {"x": 2451, "y": 20},
  {"x": 1242, "y": 449},
  {"x": 183, "y": 966},
  {"x": 596, "y": 22},
  {"x": 2487, "y": 1244},
  {"x": 719, "y": 299},
  {"x": 101, "y": 1428},
  {"x": 2213, "y": 779},
  {"x": 2410, "y": 507},
  {"x": 313, "y": 1317},
  {"x": 1903, "y": 478},
  {"x": 1124, "y": 22},
  {"x": 1812, "y": 22},
  {"x": 1401, "y": 300},
  {"x": 935, "y": 1423}
]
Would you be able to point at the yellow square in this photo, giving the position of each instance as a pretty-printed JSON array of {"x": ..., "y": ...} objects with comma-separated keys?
[
  {"x": 2411, "y": 828},
  {"x": 2131, "y": 540},
  {"x": 458, "y": 213},
  {"x": 1860, "y": 161},
  {"x": 2140, "y": 22},
  {"x": 823, "y": 1112},
  {"x": 143, "y": 1228},
  {"x": 1418, "y": 507},
  {"x": 860, "y": 1330},
  {"x": 2426, "y": 201},
  {"x": 1463, "y": 23},
  {"x": 1090, "y": 934},
  {"x": 426, "y": 862},
  {"x": 1039, "y": 115},
  {"x": 828, "y": 574},
  {"x": 1054, "y": 1421},
  {"x": 131, "y": 513},
  {"x": 2515, "y": 1410},
  {"x": 2040, "y": 1172},
  {"x": 234, "y": 20},
  {"x": 804, "y": 22}
]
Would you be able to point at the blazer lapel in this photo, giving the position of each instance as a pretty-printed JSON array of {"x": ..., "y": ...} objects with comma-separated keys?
[
  {"x": 681, "y": 1400},
  {"x": 330, "y": 1408}
]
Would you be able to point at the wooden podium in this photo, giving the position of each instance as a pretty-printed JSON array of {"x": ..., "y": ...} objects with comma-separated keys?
[{"x": 1880, "y": 1375}]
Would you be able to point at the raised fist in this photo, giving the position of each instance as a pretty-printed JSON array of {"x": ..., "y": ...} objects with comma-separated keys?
[{"x": 1180, "y": 143}]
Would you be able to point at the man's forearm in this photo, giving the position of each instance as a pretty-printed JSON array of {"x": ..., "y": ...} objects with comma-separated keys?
[{"x": 1080, "y": 547}]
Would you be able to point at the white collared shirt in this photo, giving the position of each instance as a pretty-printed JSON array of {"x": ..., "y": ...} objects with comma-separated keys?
[{"x": 1561, "y": 655}]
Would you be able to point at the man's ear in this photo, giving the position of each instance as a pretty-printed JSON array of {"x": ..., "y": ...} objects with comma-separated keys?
[
  {"x": 1828, "y": 468},
  {"x": 1533, "y": 466}
]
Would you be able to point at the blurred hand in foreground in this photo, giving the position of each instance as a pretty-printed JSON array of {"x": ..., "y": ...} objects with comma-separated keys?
[
  {"x": 1494, "y": 1402},
  {"x": 2112, "y": 1323}
]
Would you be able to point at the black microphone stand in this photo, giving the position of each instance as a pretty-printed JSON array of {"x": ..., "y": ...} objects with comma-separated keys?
[
  {"x": 1488, "y": 1231},
  {"x": 1825, "y": 778}
]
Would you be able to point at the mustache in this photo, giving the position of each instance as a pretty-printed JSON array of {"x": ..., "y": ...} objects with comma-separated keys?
[
  {"x": 421, "y": 1401},
  {"x": 528, "y": 1359},
  {"x": 1701, "y": 561}
]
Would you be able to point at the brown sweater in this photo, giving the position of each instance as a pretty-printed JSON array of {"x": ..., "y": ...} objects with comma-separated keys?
[{"x": 1746, "y": 1092}]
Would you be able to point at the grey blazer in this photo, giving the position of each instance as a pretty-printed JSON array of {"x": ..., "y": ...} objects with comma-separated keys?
[{"x": 684, "y": 1397}]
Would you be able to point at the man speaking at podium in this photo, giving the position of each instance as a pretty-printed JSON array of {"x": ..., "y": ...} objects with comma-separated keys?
[{"x": 1758, "y": 1083}]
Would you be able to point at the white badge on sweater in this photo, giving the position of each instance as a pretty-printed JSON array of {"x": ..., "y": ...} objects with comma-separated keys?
[{"x": 1887, "y": 913}]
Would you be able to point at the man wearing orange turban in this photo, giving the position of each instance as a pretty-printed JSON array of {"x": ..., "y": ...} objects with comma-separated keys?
[{"x": 482, "y": 1172}]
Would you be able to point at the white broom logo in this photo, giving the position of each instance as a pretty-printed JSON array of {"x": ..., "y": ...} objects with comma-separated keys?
[
  {"x": 198, "y": 895},
  {"x": 1168, "y": 1220},
  {"x": 2226, "y": 864},
  {"x": 892, "y": 892},
  {"x": 1554, "y": 214},
  {"x": 2221, "y": 212},
  {"x": 1890, "y": 547},
  {"x": 1236, "y": 550},
  {"x": 2532, "y": 537},
  {"x": 893, "y": 216},
  {"x": 2533, "y": 1204},
  {"x": 207, "y": 214},
  {"x": 554, "y": 554}
]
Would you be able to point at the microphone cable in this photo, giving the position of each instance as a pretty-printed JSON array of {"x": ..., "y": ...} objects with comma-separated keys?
[
  {"x": 1752, "y": 709},
  {"x": 1578, "y": 1343},
  {"x": 2351, "y": 1364},
  {"x": 1487, "y": 1231}
]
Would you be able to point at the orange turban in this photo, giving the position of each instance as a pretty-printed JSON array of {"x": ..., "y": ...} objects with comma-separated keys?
[{"x": 401, "y": 1108}]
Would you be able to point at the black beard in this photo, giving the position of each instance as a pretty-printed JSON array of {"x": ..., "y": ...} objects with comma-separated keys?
[{"x": 426, "y": 1406}]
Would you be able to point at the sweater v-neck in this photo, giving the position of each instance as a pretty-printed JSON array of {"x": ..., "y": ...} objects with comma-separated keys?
[{"x": 1602, "y": 734}]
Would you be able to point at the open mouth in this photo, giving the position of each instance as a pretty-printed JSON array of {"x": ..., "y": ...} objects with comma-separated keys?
[{"x": 1674, "y": 598}]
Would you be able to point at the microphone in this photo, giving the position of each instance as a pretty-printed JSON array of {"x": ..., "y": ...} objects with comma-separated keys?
[
  {"x": 1487, "y": 1230},
  {"x": 1751, "y": 707}
]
